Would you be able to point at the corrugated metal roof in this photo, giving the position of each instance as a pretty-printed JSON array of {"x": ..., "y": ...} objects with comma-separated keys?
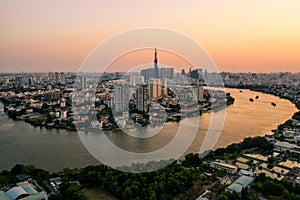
[
  {"x": 235, "y": 187},
  {"x": 240, "y": 183},
  {"x": 3, "y": 196},
  {"x": 15, "y": 192}
]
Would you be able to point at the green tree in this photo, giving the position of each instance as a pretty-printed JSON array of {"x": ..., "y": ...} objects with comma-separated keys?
[
  {"x": 222, "y": 197},
  {"x": 285, "y": 194}
]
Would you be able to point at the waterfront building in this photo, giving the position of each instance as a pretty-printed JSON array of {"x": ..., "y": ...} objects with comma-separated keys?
[{"x": 198, "y": 93}]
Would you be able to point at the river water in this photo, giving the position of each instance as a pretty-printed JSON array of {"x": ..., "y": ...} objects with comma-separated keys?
[{"x": 54, "y": 149}]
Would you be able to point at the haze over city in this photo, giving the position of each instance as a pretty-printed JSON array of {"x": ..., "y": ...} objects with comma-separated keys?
[
  {"x": 247, "y": 36},
  {"x": 150, "y": 100}
]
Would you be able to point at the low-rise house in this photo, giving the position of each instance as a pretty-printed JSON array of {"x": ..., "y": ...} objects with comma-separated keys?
[
  {"x": 246, "y": 173},
  {"x": 224, "y": 166},
  {"x": 285, "y": 146},
  {"x": 55, "y": 183},
  {"x": 289, "y": 134}
]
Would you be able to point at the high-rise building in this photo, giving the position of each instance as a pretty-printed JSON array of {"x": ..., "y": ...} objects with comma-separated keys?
[
  {"x": 51, "y": 77},
  {"x": 199, "y": 93},
  {"x": 136, "y": 80},
  {"x": 155, "y": 65},
  {"x": 167, "y": 72},
  {"x": 142, "y": 97},
  {"x": 147, "y": 73},
  {"x": 62, "y": 78},
  {"x": 81, "y": 81},
  {"x": 56, "y": 77},
  {"x": 155, "y": 89},
  {"x": 121, "y": 93},
  {"x": 164, "y": 82}
]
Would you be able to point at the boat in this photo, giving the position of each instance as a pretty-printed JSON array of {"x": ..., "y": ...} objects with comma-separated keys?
[
  {"x": 273, "y": 104},
  {"x": 251, "y": 100},
  {"x": 257, "y": 97}
]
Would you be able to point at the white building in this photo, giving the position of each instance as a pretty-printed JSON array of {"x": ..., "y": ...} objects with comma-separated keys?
[
  {"x": 136, "y": 80},
  {"x": 121, "y": 100}
]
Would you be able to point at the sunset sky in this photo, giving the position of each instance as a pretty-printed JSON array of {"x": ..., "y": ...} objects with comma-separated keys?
[{"x": 251, "y": 35}]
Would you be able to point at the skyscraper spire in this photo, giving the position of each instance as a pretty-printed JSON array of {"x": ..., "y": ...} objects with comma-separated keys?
[
  {"x": 155, "y": 64},
  {"x": 155, "y": 56}
]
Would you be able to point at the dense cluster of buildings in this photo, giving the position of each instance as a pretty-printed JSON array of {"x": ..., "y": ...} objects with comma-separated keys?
[{"x": 47, "y": 98}]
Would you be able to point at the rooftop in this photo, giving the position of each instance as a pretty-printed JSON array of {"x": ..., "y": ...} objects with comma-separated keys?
[
  {"x": 240, "y": 183},
  {"x": 23, "y": 191}
]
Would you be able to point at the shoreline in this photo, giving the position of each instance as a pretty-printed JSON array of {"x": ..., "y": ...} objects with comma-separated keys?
[
  {"x": 30, "y": 117},
  {"x": 228, "y": 143},
  {"x": 263, "y": 90}
]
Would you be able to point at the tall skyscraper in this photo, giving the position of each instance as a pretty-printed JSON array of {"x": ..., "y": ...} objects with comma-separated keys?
[
  {"x": 136, "y": 80},
  {"x": 155, "y": 64},
  {"x": 57, "y": 78},
  {"x": 155, "y": 89},
  {"x": 62, "y": 78},
  {"x": 142, "y": 98},
  {"x": 81, "y": 82},
  {"x": 164, "y": 82},
  {"x": 147, "y": 73},
  {"x": 121, "y": 97},
  {"x": 198, "y": 93},
  {"x": 167, "y": 72}
]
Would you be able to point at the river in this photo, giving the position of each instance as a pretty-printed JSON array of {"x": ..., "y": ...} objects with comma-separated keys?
[{"x": 54, "y": 149}]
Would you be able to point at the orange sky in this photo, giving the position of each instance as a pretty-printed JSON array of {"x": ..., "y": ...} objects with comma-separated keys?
[
  {"x": 252, "y": 35},
  {"x": 140, "y": 59}
]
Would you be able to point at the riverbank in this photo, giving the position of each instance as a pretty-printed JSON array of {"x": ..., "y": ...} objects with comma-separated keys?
[
  {"x": 59, "y": 117},
  {"x": 197, "y": 176},
  {"x": 281, "y": 92},
  {"x": 48, "y": 148}
]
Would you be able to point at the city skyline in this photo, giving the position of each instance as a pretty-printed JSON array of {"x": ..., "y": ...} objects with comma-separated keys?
[
  {"x": 150, "y": 100},
  {"x": 242, "y": 36}
]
